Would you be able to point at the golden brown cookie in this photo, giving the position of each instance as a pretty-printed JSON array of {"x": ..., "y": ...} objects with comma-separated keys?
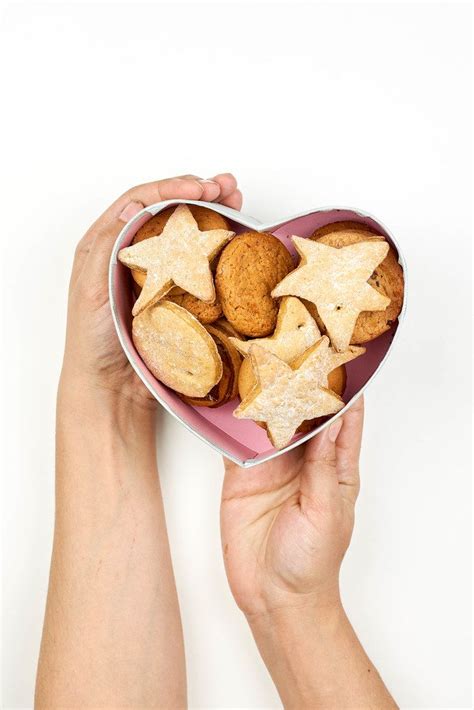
[
  {"x": 225, "y": 327},
  {"x": 248, "y": 269},
  {"x": 204, "y": 312},
  {"x": 387, "y": 279},
  {"x": 227, "y": 388},
  {"x": 206, "y": 219},
  {"x": 177, "y": 349},
  {"x": 342, "y": 226}
]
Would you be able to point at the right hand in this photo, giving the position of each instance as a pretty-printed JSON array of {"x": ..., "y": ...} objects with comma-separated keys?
[{"x": 286, "y": 524}]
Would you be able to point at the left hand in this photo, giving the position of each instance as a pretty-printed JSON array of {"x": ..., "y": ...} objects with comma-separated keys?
[{"x": 93, "y": 356}]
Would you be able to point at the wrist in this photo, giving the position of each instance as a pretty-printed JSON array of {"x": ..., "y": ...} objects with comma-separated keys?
[
  {"x": 105, "y": 430},
  {"x": 285, "y": 622},
  {"x": 105, "y": 458},
  {"x": 293, "y": 642},
  {"x": 94, "y": 399}
]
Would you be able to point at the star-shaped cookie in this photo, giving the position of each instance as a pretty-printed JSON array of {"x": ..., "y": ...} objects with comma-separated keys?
[
  {"x": 295, "y": 332},
  {"x": 335, "y": 280},
  {"x": 284, "y": 397},
  {"x": 179, "y": 256}
]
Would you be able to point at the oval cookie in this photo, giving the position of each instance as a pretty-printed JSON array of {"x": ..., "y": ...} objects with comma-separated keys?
[
  {"x": 249, "y": 267},
  {"x": 227, "y": 387},
  {"x": 387, "y": 279},
  {"x": 177, "y": 349},
  {"x": 206, "y": 219}
]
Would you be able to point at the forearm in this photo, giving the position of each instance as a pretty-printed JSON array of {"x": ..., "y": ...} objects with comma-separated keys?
[
  {"x": 316, "y": 660},
  {"x": 112, "y": 634}
]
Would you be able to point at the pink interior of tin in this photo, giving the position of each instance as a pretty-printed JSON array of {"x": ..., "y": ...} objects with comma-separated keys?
[{"x": 240, "y": 438}]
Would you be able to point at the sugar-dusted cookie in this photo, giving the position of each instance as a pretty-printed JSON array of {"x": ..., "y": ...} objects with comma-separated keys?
[
  {"x": 206, "y": 220},
  {"x": 177, "y": 349},
  {"x": 336, "y": 379},
  {"x": 284, "y": 396},
  {"x": 247, "y": 271},
  {"x": 333, "y": 373},
  {"x": 294, "y": 333},
  {"x": 335, "y": 280},
  {"x": 387, "y": 279},
  {"x": 227, "y": 388},
  {"x": 139, "y": 278},
  {"x": 205, "y": 312},
  {"x": 179, "y": 256}
]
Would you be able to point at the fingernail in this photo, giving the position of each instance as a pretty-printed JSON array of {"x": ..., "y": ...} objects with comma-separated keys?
[
  {"x": 130, "y": 211},
  {"x": 334, "y": 430},
  {"x": 210, "y": 182}
]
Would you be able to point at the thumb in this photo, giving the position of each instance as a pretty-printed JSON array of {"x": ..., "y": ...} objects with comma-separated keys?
[
  {"x": 319, "y": 479},
  {"x": 97, "y": 264}
]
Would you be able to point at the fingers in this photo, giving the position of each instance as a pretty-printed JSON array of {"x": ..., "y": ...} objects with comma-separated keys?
[
  {"x": 98, "y": 243},
  {"x": 234, "y": 200},
  {"x": 319, "y": 481},
  {"x": 94, "y": 249},
  {"x": 229, "y": 194},
  {"x": 331, "y": 464},
  {"x": 227, "y": 184},
  {"x": 220, "y": 188},
  {"x": 348, "y": 445},
  {"x": 146, "y": 194},
  {"x": 96, "y": 266}
]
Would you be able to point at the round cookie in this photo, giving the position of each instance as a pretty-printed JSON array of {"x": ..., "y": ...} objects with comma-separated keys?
[
  {"x": 225, "y": 327},
  {"x": 343, "y": 226},
  {"x": 227, "y": 387},
  {"x": 387, "y": 279},
  {"x": 249, "y": 268},
  {"x": 204, "y": 312},
  {"x": 206, "y": 219}
]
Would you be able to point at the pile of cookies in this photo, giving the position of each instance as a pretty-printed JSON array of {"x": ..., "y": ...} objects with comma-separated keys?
[{"x": 219, "y": 316}]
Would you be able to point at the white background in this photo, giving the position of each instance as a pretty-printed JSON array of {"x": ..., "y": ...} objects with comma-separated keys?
[{"x": 364, "y": 105}]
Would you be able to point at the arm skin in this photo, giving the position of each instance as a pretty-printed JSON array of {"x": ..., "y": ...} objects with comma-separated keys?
[
  {"x": 286, "y": 525},
  {"x": 112, "y": 633}
]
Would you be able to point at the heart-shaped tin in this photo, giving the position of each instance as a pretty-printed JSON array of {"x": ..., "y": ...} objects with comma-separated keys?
[{"x": 240, "y": 440}]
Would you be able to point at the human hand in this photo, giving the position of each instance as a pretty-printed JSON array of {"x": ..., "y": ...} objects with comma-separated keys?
[
  {"x": 287, "y": 523},
  {"x": 93, "y": 356},
  {"x": 111, "y": 548}
]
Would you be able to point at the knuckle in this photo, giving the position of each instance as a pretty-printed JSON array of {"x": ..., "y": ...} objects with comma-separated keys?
[
  {"x": 92, "y": 294},
  {"x": 82, "y": 249}
]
